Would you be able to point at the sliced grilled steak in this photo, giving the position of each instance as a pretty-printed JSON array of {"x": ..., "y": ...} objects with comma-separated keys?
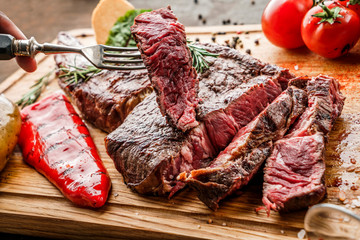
[
  {"x": 143, "y": 145},
  {"x": 161, "y": 40},
  {"x": 109, "y": 96},
  {"x": 234, "y": 167},
  {"x": 294, "y": 173},
  {"x": 150, "y": 154},
  {"x": 324, "y": 107}
]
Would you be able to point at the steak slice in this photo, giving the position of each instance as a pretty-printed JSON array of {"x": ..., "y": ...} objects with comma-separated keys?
[
  {"x": 294, "y": 173},
  {"x": 143, "y": 145},
  {"x": 235, "y": 166},
  {"x": 107, "y": 97},
  {"x": 150, "y": 154},
  {"x": 324, "y": 107},
  {"x": 161, "y": 40}
]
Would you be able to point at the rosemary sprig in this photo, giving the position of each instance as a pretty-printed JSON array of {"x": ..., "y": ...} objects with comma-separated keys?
[
  {"x": 35, "y": 91},
  {"x": 75, "y": 75},
  {"x": 198, "y": 55}
]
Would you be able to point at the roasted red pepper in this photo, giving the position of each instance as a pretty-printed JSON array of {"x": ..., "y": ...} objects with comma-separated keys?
[{"x": 57, "y": 143}]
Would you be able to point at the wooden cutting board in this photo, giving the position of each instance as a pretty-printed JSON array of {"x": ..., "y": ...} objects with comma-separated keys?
[{"x": 31, "y": 205}]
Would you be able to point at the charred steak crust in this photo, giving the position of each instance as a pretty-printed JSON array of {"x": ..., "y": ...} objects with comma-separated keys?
[
  {"x": 234, "y": 167},
  {"x": 143, "y": 144},
  {"x": 106, "y": 98},
  {"x": 294, "y": 173},
  {"x": 162, "y": 42},
  {"x": 153, "y": 172},
  {"x": 234, "y": 90}
]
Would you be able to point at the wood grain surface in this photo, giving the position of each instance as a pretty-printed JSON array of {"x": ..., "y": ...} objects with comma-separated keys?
[{"x": 31, "y": 205}]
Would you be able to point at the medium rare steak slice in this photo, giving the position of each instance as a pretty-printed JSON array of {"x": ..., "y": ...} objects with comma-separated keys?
[
  {"x": 107, "y": 97},
  {"x": 139, "y": 145},
  {"x": 235, "y": 166},
  {"x": 161, "y": 40},
  {"x": 234, "y": 90},
  {"x": 294, "y": 173}
]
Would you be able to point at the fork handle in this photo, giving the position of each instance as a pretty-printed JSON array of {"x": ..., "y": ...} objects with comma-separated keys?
[
  {"x": 48, "y": 48},
  {"x": 10, "y": 47},
  {"x": 6, "y": 47}
]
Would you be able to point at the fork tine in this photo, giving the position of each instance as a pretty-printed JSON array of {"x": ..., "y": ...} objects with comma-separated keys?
[
  {"x": 119, "y": 49},
  {"x": 114, "y": 67},
  {"x": 134, "y": 55},
  {"x": 122, "y": 61},
  {"x": 97, "y": 56}
]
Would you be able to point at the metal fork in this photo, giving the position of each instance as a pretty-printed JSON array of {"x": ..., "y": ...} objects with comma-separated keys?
[
  {"x": 332, "y": 222},
  {"x": 101, "y": 56}
]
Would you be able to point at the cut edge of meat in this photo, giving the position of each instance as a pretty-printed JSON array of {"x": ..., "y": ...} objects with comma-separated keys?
[
  {"x": 286, "y": 186},
  {"x": 281, "y": 175},
  {"x": 204, "y": 146},
  {"x": 162, "y": 42},
  {"x": 235, "y": 166},
  {"x": 212, "y": 193},
  {"x": 248, "y": 74}
]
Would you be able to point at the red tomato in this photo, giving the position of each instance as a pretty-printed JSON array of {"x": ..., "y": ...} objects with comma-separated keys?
[
  {"x": 352, "y": 4},
  {"x": 331, "y": 40},
  {"x": 281, "y": 22}
]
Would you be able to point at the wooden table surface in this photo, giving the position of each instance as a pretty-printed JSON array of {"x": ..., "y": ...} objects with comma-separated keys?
[{"x": 30, "y": 205}]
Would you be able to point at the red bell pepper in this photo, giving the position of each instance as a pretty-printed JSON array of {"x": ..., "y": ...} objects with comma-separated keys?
[{"x": 57, "y": 143}]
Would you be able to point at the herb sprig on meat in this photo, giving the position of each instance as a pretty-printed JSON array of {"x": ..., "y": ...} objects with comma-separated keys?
[
  {"x": 198, "y": 55},
  {"x": 120, "y": 36},
  {"x": 75, "y": 75}
]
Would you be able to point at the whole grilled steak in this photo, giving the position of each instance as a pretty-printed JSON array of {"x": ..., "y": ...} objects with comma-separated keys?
[
  {"x": 161, "y": 40},
  {"x": 294, "y": 173},
  {"x": 235, "y": 166},
  {"x": 150, "y": 154},
  {"x": 106, "y": 98}
]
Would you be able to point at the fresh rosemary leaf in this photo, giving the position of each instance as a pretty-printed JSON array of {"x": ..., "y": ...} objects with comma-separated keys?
[
  {"x": 35, "y": 91},
  {"x": 198, "y": 55},
  {"x": 74, "y": 75}
]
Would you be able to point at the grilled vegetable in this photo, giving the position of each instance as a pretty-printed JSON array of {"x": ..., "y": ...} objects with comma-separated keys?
[
  {"x": 10, "y": 124},
  {"x": 57, "y": 143}
]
